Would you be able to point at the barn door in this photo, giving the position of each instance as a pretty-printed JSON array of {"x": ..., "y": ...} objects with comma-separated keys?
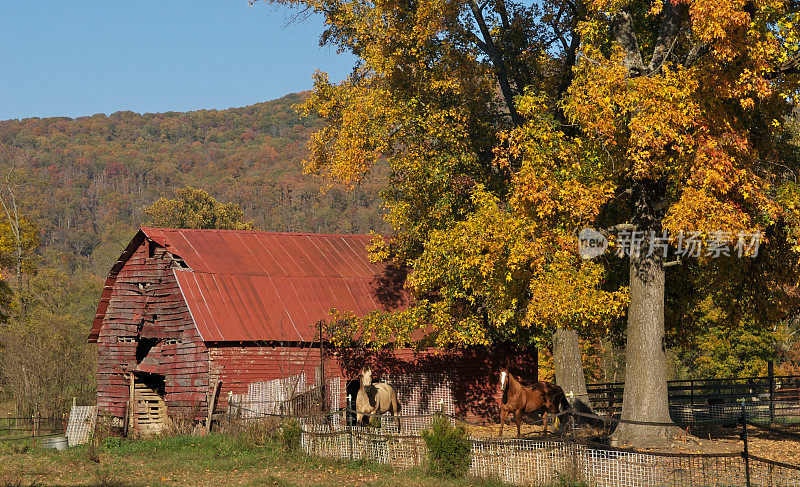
[{"x": 150, "y": 410}]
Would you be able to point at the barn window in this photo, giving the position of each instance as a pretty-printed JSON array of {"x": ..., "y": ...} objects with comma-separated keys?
[
  {"x": 143, "y": 347},
  {"x": 126, "y": 339}
]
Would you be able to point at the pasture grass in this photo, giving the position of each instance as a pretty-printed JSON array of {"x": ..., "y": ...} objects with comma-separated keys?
[{"x": 214, "y": 461}]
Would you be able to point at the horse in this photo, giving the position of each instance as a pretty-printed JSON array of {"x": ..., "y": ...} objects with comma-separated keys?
[
  {"x": 542, "y": 398},
  {"x": 375, "y": 398}
]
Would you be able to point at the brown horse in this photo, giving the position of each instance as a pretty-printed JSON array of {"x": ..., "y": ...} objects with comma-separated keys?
[{"x": 542, "y": 398}]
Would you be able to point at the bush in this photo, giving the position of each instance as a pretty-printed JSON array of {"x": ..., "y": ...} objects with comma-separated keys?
[
  {"x": 449, "y": 448},
  {"x": 291, "y": 433},
  {"x": 112, "y": 442}
]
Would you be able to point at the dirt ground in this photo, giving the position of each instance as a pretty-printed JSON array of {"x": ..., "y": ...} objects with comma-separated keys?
[{"x": 697, "y": 439}]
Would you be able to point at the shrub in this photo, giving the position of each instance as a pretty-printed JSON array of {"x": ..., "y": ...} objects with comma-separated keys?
[
  {"x": 112, "y": 442},
  {"x": 291, "y": 434},
  {"x": 449, "y": 448}
]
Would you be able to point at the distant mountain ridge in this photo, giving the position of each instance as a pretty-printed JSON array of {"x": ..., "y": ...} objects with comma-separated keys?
[{"x": 85, "y": 180}]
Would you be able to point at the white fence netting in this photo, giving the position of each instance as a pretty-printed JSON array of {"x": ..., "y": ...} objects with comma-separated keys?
[
  {"x": 532, "y": 462},
  {"x": 80, "y": 426},
  {"x": 268, "y": 397},
  {"x": 287, "y": 396},
  {"x": 326, "y": 433},
  {"x": 421, "y": 395}
]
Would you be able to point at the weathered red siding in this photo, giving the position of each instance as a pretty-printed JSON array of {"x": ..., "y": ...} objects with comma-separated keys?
[
  {"x": 238, "y": 366},
  {"x": 145, "y": 302},
  {"x": 474, "y": 371}
]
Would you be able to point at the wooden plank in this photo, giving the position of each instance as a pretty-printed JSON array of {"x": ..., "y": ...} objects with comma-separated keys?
[{"x": 211, "y": 405}]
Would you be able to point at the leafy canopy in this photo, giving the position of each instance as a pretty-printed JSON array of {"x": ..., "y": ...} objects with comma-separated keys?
[
  {"x": 195, "y": 208},
  {"x": 509, "y": 126}
]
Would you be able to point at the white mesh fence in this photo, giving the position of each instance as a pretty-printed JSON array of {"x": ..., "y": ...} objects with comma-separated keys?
[
  {"x": 267, "y": 397},
  {"x": 421, "y": 395},
  {"x": 532, "y": 462},
  {"x": 515, "y": 461},
  {"x": 82, "y": 420}
]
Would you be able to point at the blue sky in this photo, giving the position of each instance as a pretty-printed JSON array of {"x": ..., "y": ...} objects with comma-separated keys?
[{"x": 75, "y": 58}]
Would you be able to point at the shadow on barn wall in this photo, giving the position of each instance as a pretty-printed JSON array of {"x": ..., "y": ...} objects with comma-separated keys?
[{"x": 473, "y": 372}]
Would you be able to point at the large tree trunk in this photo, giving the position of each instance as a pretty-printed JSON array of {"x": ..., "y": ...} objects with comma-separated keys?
[
  {"x": 568, "y": 368},
  {"x": 645, "y": 397}
]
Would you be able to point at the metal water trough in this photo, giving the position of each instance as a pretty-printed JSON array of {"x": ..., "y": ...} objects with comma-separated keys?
[{"x": 55, "y": 442}]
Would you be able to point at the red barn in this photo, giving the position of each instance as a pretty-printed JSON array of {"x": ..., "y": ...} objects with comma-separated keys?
[{"x": 185, "y": 310}]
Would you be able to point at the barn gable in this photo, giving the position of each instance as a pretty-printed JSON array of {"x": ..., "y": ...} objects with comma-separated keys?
[
  {"x": 146, "y": 338},
  {"x": 265, "y": 286}
]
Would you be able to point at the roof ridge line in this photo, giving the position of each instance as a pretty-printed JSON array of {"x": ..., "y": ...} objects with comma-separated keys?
[
  {"x": 269, "y": 275},
  {"x": 266, "y": 232}
]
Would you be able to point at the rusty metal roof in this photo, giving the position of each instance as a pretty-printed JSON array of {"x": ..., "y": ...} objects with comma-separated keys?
[{"x": 249, "y": 285}]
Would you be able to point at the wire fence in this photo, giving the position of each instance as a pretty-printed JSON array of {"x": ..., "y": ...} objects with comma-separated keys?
[
  {"x": 535, "y": 461},
  {"x": 708, "y": 400},
  {"x": 27, "y": 430},
  {"x": 530, "y": 460}
]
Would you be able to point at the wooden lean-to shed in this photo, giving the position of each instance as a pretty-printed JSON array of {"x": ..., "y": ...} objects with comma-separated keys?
[{"x": 187, "y": 315}]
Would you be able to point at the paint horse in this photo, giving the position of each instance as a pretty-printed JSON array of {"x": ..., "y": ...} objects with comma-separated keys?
[
  {"x": 375, "y": 399},
  {"x": 542, "y": 398}
]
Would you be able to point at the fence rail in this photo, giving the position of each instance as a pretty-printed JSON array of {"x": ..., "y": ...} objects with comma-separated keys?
[
  {"x": 700, "y": 400},
  {"x": 16, "y": 429}
]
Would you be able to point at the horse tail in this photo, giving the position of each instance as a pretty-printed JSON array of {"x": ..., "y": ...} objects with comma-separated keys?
[{"x": 565, "y": 405}]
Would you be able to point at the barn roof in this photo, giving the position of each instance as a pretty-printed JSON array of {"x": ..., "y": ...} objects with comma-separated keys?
[{"x": 252, "y": 286}]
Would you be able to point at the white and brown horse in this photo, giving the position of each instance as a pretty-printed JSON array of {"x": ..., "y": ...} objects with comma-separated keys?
[
  {"x": 542, "y": 398},
  {"x": 375, "y": 398}
]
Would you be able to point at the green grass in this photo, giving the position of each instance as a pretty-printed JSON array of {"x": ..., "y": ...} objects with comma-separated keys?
[{"x": 213, "y": 461}]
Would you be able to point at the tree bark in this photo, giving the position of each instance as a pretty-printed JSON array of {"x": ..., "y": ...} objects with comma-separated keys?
[
  {"x": 568, "y": 368},
  {"x": 645, "y": 397}
]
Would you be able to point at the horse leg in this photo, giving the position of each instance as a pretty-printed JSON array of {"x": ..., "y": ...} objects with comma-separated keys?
[
  {"x": 359, "y": 417},
  {"x": 545, "y": 420},
  {"x": 503, "y": 416},
  {"x": 518, "y": 419}
]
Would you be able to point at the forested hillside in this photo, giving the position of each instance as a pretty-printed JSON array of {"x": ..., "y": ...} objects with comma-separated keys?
[
  {"x": 81, "y": 185},
  {"x": 85, "y": 181}
]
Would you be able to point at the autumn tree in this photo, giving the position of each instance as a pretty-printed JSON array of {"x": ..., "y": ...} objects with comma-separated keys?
[
  {"x": 508, "y": 127},
  {"x": 195, "y": 208}
]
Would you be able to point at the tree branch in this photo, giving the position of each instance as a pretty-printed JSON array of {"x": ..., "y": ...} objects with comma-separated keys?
[
  {"x": 622, "y": 30},
  {"x": 501, "y": 9},
  {"x": 667, "y": 35},
  {"x": 497, "y": 61},
  {"x": 790, "y": 66},
  {"x": 697, "y": 51},
  {"x": 621, "y": 227}
]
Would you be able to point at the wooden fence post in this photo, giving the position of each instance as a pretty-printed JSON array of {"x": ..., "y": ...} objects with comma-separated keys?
[
  {"x": 349, "y": 429},
  {"x": 745, "y": 451},
  {"x": 771, "y": 374},
  {"x": 33, "y": 429}
]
